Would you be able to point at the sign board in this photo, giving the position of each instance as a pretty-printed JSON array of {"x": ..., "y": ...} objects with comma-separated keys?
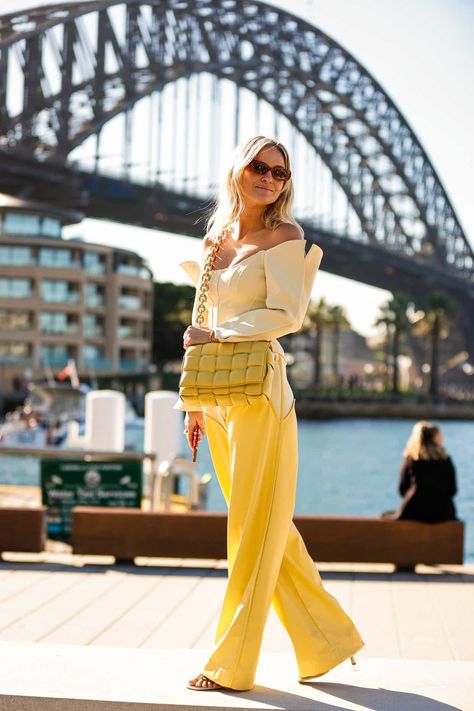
[{"x": 66, "y": 483}]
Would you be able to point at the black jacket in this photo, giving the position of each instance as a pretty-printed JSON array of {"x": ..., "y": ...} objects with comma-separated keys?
[{"x": 427, "y": 487}]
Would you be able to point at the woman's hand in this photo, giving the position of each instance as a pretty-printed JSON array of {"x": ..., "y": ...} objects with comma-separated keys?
[
  {"x": 190, "y": 420},
  {"x": 197, "y": 334}
]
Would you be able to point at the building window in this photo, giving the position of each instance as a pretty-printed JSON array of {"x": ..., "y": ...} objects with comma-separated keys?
[
  {"x": 58, "y": 291},
  {"x": 15, "y": 350},
  {"x": 15, "y": 223},
  {"x": 92, "y": 354},
  {"x": 129, "y": 300},
  {"x": 21, "y": 224},
  {"x": 57, "y": 322},
  {"x": 94, "y": 263},
  {"x": 15, "y": 320},
  {"x": 129, "y": 328},
  {"x": 16, "y": 256},
  {"x": 61, "y": 258},
  {"x": 15, "y": 288},
  {"x": 94, "y": 295},
  {"x": 55, "y": 354},
  {"x": 51, "y": 227},
  {"x": 133, "y": 268},
  {"x": 93, "y": 326}
]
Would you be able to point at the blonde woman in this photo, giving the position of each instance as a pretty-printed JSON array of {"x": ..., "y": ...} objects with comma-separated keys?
[
  {"x": 427, "y": 478},
  {"x": 259, "y": 289}
]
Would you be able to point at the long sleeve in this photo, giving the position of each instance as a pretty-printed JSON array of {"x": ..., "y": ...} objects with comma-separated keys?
[
  {"x": 452, "y": 478},
  {"x": 289, "y": 276},
  {"x": 405, "y": 481}
]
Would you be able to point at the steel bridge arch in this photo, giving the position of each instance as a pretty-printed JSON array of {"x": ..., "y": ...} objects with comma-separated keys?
[{"x": 342, "y": 111}]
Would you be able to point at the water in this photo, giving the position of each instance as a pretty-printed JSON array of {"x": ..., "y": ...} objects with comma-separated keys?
[{"x": 346, "y": 467}]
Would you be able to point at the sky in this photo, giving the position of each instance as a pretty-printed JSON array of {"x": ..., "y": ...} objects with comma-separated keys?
[{"x": 422, "y": 53}]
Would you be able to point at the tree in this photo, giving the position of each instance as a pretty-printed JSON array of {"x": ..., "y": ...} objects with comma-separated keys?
[
  {"x": 336, "y": 318},
  {"x": 317, "y": 317},
  {"x": 393, "y": 314},
  {"x": 172, "y": 311},
  {"x": 440, "y": 313}
]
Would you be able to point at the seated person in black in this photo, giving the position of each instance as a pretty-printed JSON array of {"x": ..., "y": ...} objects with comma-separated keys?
[{"x": 427, "y": 478}]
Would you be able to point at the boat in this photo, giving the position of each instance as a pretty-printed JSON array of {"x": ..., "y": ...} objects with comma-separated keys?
[{"x": 45, "y": 418}]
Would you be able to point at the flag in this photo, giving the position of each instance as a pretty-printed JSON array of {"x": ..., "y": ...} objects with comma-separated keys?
[{"x": 70, "y": 371}]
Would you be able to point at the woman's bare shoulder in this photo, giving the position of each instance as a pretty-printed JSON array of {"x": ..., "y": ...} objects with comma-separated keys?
[{"x": 287, "y": 231}]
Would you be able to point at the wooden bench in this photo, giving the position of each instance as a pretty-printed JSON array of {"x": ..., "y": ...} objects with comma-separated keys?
[
  {"x": 126, "y": 533},
  {"x": 22, "y": 529}
]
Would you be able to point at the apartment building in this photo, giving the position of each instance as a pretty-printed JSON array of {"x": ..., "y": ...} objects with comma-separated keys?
[{"x": 63, "y": 299}]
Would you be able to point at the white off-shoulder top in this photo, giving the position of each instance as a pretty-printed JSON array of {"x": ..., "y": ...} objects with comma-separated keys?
[{"x": 262, "y": 297}]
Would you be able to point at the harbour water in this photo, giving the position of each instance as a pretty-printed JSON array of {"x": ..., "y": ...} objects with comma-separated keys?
[{"x": 347, "y": 466}]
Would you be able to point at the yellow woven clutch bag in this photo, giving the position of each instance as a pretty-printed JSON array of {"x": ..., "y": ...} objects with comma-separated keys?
[
  {"x": 227, "y": 373},
  {"x": 224, "y": 373}
]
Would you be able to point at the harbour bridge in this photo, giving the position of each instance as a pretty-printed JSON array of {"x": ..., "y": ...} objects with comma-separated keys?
[{"x": 128, "y": 111}]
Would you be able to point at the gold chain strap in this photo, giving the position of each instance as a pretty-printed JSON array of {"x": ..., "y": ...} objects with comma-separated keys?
[{"x": 205, "y": 277}]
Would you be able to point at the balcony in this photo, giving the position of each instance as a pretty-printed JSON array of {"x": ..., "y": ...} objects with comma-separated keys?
[
  {"x": 130, "y": 303},
  {"x": 134, "y": 270},
  {"x": 94, "y": 332},
  {"x": 134, "y": 365},
  {"x": 125, "y": 332},
  {"x": 95, "y": 269},
  {"x": 94, "y": 301},
  {"x": 72, "y": 329},
  {"x": 73, "y": 297},
  {"x": 98, "y": 364}
]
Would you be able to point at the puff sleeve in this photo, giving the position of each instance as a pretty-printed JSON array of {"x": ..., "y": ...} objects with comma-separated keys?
[{"x": 289, "y": 276}]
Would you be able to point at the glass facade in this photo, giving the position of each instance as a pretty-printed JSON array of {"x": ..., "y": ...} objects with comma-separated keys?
[
  {"x": 15, "y": 288},
  {"x": 94, "y": 263},
  {"x": 16, "y": 223},
  {"x": 58, "y": 322},
  {"x": 15, "y": 320},
  {"x": 94, "y": 295},
  {"x": 92, "y": 352},
  {"x": 15, "y": 350},
  {"x": 129, "y": 302},
  {"x": 58, "y": 291},
  {"x": 55, "y": 354},
  {"x": 51, "y": 227},
  {"x": 93, "y": 326},
  {"x": 16, "y": 256},
  {"x": 60, "y": 258}
]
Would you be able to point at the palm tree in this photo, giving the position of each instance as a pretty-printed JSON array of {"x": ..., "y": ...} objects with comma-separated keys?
[
  {"x": 317, "y": 317},
  {"x": 440, "y": 313},
  {"x": 394, "y": 315},
  {"x": 336, "y": 318}
]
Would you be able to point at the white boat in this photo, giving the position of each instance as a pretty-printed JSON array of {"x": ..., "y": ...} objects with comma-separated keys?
[{"x": 43, "y": 420}]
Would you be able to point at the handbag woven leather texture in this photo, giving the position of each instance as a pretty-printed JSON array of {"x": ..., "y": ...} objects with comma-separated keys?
[
  {"x": 227, "y": 373},
  {"x": 217, "y": 373}
]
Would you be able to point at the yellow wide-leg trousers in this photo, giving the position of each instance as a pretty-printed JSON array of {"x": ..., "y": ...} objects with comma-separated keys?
[{"x": 255, "y": 454}]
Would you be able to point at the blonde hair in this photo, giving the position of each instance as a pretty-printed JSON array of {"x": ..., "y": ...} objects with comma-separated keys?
[
  {"x": 421, "y": 443},
  {"x": 230, "y": 201}
]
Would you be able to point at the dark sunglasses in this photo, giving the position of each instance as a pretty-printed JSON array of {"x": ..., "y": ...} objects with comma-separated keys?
[{"x": 261, "y": 168}]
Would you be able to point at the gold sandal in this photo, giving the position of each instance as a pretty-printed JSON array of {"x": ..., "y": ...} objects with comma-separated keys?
[{"x": 207, "y": 688}]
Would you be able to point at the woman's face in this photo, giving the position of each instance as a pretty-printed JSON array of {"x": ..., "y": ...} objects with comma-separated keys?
[{"x": 263, "y": 189}]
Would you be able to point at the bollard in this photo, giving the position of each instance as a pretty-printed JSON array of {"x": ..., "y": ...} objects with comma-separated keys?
[
  {"x": 105, "y": 421},
  {"x": 162, "y": 432}
]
